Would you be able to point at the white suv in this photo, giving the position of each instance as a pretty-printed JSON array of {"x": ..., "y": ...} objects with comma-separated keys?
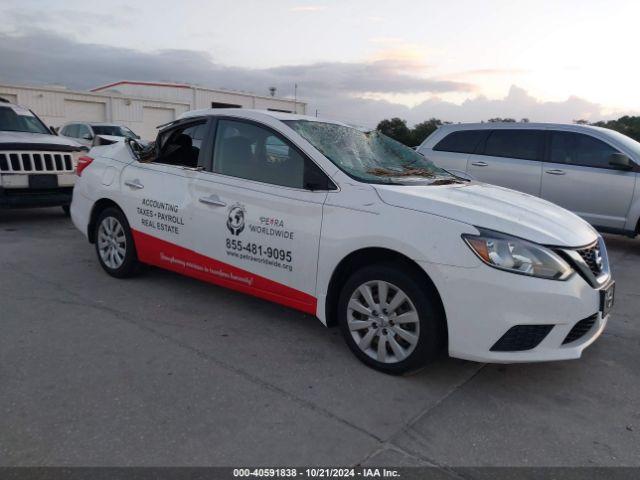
[
  {"x": 353, "y": 228},
  {"x": 589, "y": 170},
  {"x": 37, "y": 167}
]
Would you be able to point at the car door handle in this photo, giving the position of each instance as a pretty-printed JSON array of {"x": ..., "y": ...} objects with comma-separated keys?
[
  {"x": 555, "y": 171},
  {"x": 480, "y": 164},
  {"x": 135, "y": 184},
  {"x": 212, "y": 200}
]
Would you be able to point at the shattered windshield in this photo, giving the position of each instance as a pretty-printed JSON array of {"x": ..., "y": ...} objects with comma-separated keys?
[
  {"x": 18, "y": 119},
  {"x": 370, "y": 156}
]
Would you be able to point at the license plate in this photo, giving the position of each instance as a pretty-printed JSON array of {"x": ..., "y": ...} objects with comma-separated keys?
[
  {"x": 607, "y": 298},
  {"x": 43, "y": 181}
]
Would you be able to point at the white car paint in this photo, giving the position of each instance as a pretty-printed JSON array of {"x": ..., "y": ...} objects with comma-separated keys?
[{"x": 422, "y": 223}]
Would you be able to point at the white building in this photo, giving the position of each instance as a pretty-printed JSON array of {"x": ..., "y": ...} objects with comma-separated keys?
[{"x": 141, "y": 106}]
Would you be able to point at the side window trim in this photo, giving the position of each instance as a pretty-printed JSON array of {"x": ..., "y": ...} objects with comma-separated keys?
[
  {"x": 482, "y": 143},
  {"x": 210, "y": 168}
]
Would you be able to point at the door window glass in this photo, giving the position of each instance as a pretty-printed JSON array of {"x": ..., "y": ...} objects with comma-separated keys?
[
  {"x": 181, "y": 146},
  {"x": 464, "y": 141},
  {"x": 71, "y": 131},
  {"x": 249, "y": 151},
  {"x": 579, "y": 149},
  {"x": 523, "y": 144},
  {"x": 197, "y": 133},
  {"x": 83, "y": 130}
]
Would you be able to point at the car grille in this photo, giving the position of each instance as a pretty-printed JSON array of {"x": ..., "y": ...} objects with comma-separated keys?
[
  {"x": 580, "y": 329},
  {"x": 591, "y": 256},
  {"x": 35, "y": 162},
  {"x": 521, "y": 337}
]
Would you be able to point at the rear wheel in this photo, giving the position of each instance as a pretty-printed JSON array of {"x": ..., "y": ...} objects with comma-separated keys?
[
  {"x": 390, "y": 320},
  {"x": 114, "y": 244}
]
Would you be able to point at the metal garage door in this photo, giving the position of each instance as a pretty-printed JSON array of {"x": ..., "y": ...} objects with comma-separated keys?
[
  {"x": 75, "y": 110},
  {"x": 151, "y": 118}
]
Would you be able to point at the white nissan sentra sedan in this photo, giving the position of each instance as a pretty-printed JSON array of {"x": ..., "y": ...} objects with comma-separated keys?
[{"x": 353, "y": 228}]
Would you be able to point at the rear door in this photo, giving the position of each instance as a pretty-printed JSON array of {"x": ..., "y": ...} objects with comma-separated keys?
[
  {"x": 157, "y": 199},
  {"x": 259, "y": 227},
  {"x": 579, "y": 178},
  {"x": 510, "y": 158}
]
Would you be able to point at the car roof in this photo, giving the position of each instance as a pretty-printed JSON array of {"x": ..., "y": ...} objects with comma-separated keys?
[
  {"x": 255, "y": 114},
  {"x": 520, "y": 125}
]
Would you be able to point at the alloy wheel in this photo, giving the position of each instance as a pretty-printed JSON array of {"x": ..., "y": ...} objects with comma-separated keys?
[
  {"x": 383, "y": 321},
  {"x": 112, "y": 242}
]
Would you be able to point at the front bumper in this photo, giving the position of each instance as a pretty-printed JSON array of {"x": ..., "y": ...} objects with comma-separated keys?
[
  {"x": 484, "y": 303},
  {"x": 15, "y": 191},
  {"x": 17, "y": 198}
]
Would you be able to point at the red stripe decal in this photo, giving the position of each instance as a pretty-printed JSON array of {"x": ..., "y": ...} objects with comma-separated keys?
[{"x": 161, "y": 253}]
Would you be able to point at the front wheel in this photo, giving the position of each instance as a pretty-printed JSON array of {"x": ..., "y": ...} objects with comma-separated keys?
[
  {"x": 390, "y": 319},
  {"x": 114, "y": 244}
]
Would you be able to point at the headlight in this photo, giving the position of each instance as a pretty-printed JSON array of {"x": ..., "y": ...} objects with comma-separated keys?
[{"x": 518, "y": 256}]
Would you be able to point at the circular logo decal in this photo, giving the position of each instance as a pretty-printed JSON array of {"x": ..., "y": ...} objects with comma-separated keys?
[{"x": 235, "y": 219}]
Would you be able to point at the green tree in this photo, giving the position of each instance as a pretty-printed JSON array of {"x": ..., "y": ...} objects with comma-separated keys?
[
  {"x": 397, "y": 129},
  {"x": 627, "y": 125},
  {"x": 501, "y": 120},
  {"x": 423, "y": 129}
]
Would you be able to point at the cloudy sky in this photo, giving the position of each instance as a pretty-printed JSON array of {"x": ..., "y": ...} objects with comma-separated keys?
[{"x": 361, "y": 61}]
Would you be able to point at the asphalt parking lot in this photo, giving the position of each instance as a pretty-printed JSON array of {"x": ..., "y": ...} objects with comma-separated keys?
[{"x": 165, "y": 370}]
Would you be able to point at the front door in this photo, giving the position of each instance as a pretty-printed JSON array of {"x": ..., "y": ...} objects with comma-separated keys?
[
  {"x": 259, "y": 228},
  {"x": 579, "y": 178}
]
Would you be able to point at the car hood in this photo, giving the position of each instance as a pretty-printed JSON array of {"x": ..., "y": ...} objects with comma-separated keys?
[
  {"x": 494, "y": 208},
  {"x": 25, "y": 138}
]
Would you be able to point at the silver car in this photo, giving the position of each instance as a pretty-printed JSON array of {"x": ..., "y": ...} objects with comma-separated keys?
[
  {"x": 85, "y": 132},
  {"x": 591, "y": 171}
]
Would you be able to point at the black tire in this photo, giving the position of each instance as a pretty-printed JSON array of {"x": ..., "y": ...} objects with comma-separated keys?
[
  {"x": 67, "y": 210},
  {"x": 130, "y": 265},
  {"x": 432, "y": 330}
]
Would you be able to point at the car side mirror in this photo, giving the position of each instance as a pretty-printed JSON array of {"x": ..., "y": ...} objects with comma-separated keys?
[
  {"x": 87, "y": 136},
  {"x": 53, "y": 129},
  {"x": 620, "y": 160}
]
